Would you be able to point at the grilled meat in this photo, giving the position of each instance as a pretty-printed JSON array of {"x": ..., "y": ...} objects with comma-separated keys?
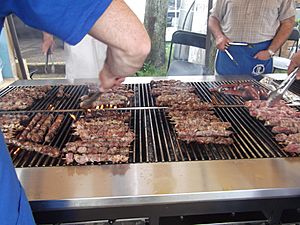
[
  {"x": 61, "y": 92},
  {"x": 119, "y": 97},
  {"x": 293, "y": 148},
  {"x": 22, "y": 98},
  {"x": 102, "y": 138},
  {"x": 194, "y": 121},
  {"x": 30, "y": 126},
  {"x": 30, "y": 146},
  {"x": 37, "y": 128},
  {"x": 285, "y": 122},
  {"x": 97, "y": 146},
  {"x": 248, "y": 91},
  {"x": 12, "y": 124},
  {"x": 54, "y": 128},
  {"x": 104, "y": 115},
  {"x": 85, "y": 158},
  {"x": 170, "y": 87},
  {"x": 281, "y": 137}
]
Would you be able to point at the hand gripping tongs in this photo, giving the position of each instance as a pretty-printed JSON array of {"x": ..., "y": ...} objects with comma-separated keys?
[
  {"x": 277, "y": 94},
  {"x": 89, "y": 102},
  {"x": 229, "y": 54},
  {"x": 49, "y": 58}
]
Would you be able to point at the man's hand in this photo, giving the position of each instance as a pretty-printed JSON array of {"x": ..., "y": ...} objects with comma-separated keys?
[
  {"x": 48, "y": 43},
  {"x": 128, "y": 43},
  {"x": 222, "y": 42},
  {"x": 263, "y": 55},
  {"x": 295, "y": 62},
  {"x": 109, "y": 80}
]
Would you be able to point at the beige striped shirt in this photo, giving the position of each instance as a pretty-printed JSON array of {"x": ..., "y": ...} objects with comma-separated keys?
[{"x": 252, "y": 21}]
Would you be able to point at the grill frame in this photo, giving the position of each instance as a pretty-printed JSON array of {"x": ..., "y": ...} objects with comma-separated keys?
[
  {"x": 156, "y": 190},
  {"x": 156, "y": 139}
]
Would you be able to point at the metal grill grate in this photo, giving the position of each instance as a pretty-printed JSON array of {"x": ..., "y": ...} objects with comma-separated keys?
[
  {"x": 156, "y": 140},
  {"x": 295, "y": 87}
]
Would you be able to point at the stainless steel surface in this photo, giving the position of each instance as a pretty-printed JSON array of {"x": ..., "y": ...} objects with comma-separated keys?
[
  {"x": 277, "y": 95},
  {"x": 141, "y": 184}
]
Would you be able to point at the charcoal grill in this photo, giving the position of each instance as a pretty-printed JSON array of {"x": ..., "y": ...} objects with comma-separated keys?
[{"x": 165, "y": 177}]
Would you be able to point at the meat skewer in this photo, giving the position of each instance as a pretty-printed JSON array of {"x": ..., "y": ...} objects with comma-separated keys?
[
  {"x": 194, "y": 120},
  {"x": 30, "y": 126},
  {"x": 248, "y": 91},
  {"x": 54, "y": 128},
  {"x": 85, "y": 158},
  {"x": 30, "y": 146},
  {"x": 285, "y": 122},
  {"x": 102, "y": 137}
]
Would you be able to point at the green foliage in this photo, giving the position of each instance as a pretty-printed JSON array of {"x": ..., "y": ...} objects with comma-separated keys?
[{"x": 149, "y": 70}]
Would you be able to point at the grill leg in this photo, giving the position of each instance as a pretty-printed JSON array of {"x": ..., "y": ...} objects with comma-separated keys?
[
  {"x": 154, "y": 220},
  {"x": 275, "y": 217}
]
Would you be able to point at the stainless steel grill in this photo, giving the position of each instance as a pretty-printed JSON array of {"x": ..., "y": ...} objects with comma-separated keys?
[
  {"x": 156, "y": 140},
  {"x": 252, "y": 175}
]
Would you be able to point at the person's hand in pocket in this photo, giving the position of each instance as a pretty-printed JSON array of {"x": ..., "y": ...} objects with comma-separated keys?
[{"x": 263, "y": 55}]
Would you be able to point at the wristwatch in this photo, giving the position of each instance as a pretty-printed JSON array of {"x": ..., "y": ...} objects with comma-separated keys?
[{"x": 271, "y": 52}]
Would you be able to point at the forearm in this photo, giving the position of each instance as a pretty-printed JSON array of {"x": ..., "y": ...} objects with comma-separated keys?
[
  {"x": 127, "y": 40},
  {"x": 214, "y": 26},
  {"x": 121, "y": 63},
  {"x": 284, "y": 31}
]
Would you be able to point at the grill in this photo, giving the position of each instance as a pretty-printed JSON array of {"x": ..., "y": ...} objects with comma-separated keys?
[
  {"x": 295, "y": 87},
  {"x": 156, "y": 139}
]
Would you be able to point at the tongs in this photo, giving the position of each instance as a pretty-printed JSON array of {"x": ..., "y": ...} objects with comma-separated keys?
[
  {"x": 49, "y": 57},
  {"x": 229, "y": 54},
  {"x": 240, "y": 44},
  {"x": 89, "y": 102},
  {"x": 277, "y": 94}
]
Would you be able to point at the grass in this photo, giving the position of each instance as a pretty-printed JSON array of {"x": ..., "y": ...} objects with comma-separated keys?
[{"x": 149, "y": 70}]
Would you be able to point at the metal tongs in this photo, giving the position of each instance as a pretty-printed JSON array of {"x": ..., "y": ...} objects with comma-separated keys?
[
  {"x": 277, "y": 94},
  {"x": 49, "y": 57},
  {"x": 89, "y": 102},
  {"x": 229, "y": 54}
]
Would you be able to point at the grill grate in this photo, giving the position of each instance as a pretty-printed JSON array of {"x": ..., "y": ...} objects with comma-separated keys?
[
  {"x": 51, "y": 102},
  {"x": 156, "y": 139},
  {"x": 295, "y": 87},
  {"x": 23, "y": 158}
]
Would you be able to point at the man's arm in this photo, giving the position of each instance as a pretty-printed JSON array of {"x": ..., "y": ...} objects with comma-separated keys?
[
  {"x": 222, "y": 41},
  {"x": 284, "y": 31},
  {"x": 127, "y": 40}
]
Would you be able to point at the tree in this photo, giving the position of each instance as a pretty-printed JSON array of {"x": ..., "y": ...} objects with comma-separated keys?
[{"x": 155, "y": 23}]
